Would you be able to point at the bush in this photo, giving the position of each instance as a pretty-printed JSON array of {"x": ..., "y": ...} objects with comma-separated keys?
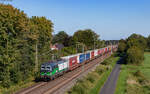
[
  {"x": 105, "y": 62},
  {"x": 101, "y": 69},
  {"x": 79, "y": 89},
  {"x": 80, "y": 81},
  {"x": 91, "y": 79},
  {"x": 135, "y": 55}
]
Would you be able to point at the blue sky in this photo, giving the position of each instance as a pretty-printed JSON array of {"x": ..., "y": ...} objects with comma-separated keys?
[{"x": 111, "y": 19}]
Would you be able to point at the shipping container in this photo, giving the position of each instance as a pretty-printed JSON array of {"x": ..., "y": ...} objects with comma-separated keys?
[
  {"x": 92, "y": 54},
  {"x": 78, "y": 57},
  {"x": 87, "y": 56},
  {"x": 73, "y": 62},
  {"x": 70, "y": 59},
  {"x": 81, "y": 58},
  {"x": 95, "y": 52},
  {"x": 106, "y": 50},
  {"x": 99, "y": 51},
  {"x": 103, "y": 50},
  {"x": 63, "y": 65},
  {"x": 109, "y": 49}
]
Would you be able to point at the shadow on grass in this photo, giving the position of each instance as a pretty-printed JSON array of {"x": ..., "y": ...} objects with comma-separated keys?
[{"x": 121, "y": 61}]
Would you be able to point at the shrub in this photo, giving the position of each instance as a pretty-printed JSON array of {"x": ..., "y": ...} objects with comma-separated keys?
[
  {"x": 91, "y": 79},
  {"x": 100, "y": 70},
  {"x": 135, "y": 55},
  {"x": 80, "y": 81},
  {"x": 79, "y": 89},
  {"x": 105, "y": 62}
]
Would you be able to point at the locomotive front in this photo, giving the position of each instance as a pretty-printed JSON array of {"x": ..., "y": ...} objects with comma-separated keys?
[{"x": 45, "y": 72}]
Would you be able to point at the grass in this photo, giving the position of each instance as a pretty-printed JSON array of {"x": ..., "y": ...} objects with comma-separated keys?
[
  {"x": 135, "y": 79},
  {"x": 100, "y": 83},
  {"x": 92, "y": 83},
  {"x": 17, "y": 87}
]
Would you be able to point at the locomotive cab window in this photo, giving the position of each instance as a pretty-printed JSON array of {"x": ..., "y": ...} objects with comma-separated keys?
[{"x": 48, "y": 68}]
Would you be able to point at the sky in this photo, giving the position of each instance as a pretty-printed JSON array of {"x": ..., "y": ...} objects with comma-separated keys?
[{"x": 111, "y": 19}]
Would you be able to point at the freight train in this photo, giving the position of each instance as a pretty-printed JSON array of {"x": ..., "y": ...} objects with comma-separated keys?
[{"x": 54, "y": 69}]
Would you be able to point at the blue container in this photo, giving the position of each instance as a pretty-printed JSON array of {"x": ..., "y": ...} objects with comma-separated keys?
[
  {"x": 87, "y": 57},
  {"x": 82, "y": 58}
]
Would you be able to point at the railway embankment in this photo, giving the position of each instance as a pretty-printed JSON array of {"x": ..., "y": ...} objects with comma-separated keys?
[{"x": 94, "y": 80}]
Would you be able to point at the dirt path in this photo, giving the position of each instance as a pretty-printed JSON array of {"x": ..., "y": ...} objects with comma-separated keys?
[{"x": 110, "y": 84}]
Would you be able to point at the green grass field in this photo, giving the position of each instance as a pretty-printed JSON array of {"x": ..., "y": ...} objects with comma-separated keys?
[
  {"x": 92, "y": 83},
  {"x": 135, "y": 79}
]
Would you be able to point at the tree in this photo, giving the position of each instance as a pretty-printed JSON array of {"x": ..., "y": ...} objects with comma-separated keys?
[
  {"x": 87, "y": 37},
  {"x": 42, "y": 29},
  {"x": 148, "y": 41},
  {"x": 137, "y": 40},
  {"x": 62, "y": 37},
  {"x": 133, "y": 48},
  {"x": 122, "y": 46},
  {"x": 135, "y": 55},
  {"x": 13, "y": 24},
  {"x": 19, "y": 36}
]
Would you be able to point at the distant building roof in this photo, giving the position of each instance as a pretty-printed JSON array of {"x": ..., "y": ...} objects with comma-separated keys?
[{"x": 57, "y": 46}]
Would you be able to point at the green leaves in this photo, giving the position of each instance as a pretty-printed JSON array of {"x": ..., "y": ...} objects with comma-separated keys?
[
  {"x": 87, "y": 37},
  {"x": 137, "y": 40},
  {"x": 135, "y": 55},
  {"x": 18, "y": 37},
  {"x": 133, "y": 48},
  {"x": 62, "y": 38},
  {"x": 148, "y": 42},
  {"x": 122, "y": 46}
]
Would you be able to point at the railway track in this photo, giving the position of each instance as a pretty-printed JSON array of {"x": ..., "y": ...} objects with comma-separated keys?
[{"x": 54, "y": 85}]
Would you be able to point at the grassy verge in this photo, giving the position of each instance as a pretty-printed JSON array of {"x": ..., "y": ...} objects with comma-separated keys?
[
  {"x": 17, "y": 87},
  {"x": 92, "y": 83},
  {"x": 135, "y": 79}
]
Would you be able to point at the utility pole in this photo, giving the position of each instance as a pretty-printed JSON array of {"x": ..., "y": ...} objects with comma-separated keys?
[
  {"x": 53, "y": 58},
  {"x": 81, "y": 44},
  {"x": 94, "y": 41},
  {"x": 84, "y": 57},
  {"x": 76, "y": 48},
  {"x": 111, "y": 48},
  {"x": 36, "y": 57}
]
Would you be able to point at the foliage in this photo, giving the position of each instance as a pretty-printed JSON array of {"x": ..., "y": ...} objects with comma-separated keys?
[
  {"x": 136, "y": 40},
  {"x": 43, "y": 36},
  {"x": 68, "y": 51},
  {"x": 13, "y": 24},
  {"x": 122, "y": 46},
  {"x": 19, "y": 36},
  {"x": 135, "y": 55},
  {"x": 87, "y": 37},
  {"x": 133, "y": 48},
  {"x": 148, "y": 42},
  {"x": 63, "y": 38}
]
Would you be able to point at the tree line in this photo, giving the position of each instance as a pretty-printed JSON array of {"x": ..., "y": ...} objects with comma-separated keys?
[
  {"x": 73, "y": 44},
  {"x": 133, "y": 48},
  {"x": 87, "y": 38}
]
